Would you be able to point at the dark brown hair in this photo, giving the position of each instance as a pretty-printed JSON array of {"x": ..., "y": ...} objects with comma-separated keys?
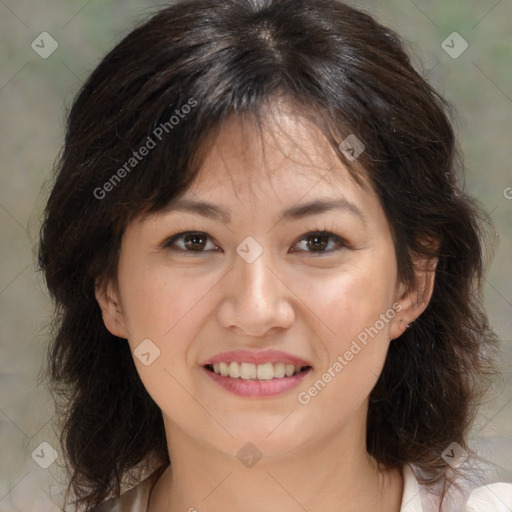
[{"x": 349, "y": 75}]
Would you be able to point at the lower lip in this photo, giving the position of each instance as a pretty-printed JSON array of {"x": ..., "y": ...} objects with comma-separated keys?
[{"x": 259, "y": 388}]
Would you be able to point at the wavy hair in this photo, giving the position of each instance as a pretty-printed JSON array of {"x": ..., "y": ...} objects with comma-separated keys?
[{"x": 349, "y": 75}]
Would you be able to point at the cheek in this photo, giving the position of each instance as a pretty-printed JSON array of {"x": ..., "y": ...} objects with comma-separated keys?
[
  {"x": 164, "y": 308},
  {"x": 351, "y": 307},
  {"x": 170, "y": 309},
  {"x": 156, "y": 303},
  {"x": 350, "y": 303}
]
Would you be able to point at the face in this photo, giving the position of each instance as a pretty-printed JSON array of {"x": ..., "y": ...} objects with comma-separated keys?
[{"x": 304, "y": 289}]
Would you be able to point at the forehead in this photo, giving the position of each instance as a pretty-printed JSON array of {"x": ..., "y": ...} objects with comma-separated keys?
[
  {"x": 282, "y": 151},
  {"x": 260, "y": 171}
]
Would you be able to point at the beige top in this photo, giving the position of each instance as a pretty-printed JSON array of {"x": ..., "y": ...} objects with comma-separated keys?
[
  {"x": 134, "y": 500},
  {"x": 495, "y": 497}
]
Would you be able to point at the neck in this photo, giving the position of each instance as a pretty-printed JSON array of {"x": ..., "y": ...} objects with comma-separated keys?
[{"x": 336, "y": 475}]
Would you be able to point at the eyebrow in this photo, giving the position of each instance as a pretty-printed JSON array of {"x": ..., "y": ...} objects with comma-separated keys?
[{"x": 297, "y": 212}]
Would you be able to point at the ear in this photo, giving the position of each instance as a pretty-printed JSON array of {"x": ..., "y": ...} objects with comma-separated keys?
[
  {"x": 414, "y": 299},
  {"x": 107, "y": 296}
]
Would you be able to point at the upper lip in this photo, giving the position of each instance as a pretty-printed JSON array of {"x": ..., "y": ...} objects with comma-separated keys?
[{"x": 256, "y": 357}]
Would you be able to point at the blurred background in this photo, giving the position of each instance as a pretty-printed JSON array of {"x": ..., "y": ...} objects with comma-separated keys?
[{"x": 47, "y": 50}]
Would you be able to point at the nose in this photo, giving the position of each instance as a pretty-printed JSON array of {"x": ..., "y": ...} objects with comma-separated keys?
[{"x": 255, "y": 300}]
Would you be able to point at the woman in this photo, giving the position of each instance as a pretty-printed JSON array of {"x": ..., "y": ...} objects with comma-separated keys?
[{"x": 266, "y": 272}]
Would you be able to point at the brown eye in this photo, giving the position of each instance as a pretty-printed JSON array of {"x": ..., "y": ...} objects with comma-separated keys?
[
  {"x": 190, "y": 241},
  {"x": 196, "y": 241},
  {"x": 318, "y": 241}
]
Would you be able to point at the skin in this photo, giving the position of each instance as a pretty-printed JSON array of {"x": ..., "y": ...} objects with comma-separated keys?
[{"x": 194, "y": 305}]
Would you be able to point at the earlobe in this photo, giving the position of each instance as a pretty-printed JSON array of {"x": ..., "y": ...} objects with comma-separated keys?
[
  {"x": 111, "y": 310},
  {"x": 414, "y": 300}
]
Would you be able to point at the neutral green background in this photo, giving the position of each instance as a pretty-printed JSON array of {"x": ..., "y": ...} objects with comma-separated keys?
[{"x": 34, "y": 96}]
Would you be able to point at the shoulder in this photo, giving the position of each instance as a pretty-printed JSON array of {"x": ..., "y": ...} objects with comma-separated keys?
[
  {"x": 135, "y": 499},
  {"x": 464, "y": 496},
  {"x": 495, "y": 497}
]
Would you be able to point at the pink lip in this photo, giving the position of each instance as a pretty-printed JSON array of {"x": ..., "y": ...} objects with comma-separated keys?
[
  {"x": 257, "y": 388},
  {"x": 256, "y": 357}
]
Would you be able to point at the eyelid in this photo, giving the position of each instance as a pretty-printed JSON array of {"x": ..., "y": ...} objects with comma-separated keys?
[
  {"x": 341, "y": 241},
  {"x": 169, "y": 241}
]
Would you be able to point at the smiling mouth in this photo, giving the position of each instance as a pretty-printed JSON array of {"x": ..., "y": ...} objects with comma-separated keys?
[{"x": 251, "y": 371}]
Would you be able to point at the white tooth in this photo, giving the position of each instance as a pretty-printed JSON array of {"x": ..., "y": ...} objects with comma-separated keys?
[
  {"x": 247, "y": 371},
  {"x": 265, "y": 371},
  {"x": 279, "y": 370},
  {"x": 234, "y": 370},
  {"x": 224, "y": 369},
  {"x": 289, "y": 369}
]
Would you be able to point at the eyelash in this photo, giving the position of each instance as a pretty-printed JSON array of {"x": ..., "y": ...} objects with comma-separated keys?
[{"x": 169, "y": 243}]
